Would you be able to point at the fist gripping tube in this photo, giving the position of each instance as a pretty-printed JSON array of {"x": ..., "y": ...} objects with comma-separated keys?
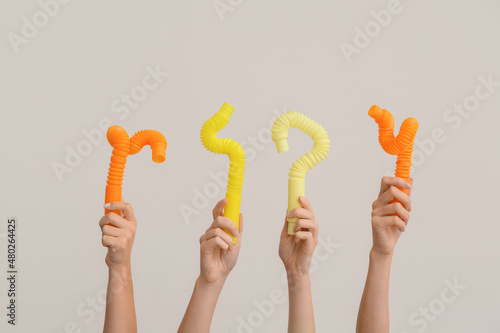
[
  {"x": 402, "y": 145},
  {"x": 297, "y": 175},
  {"x": 122, "y": 147},
  {"x": 236, "y": 160}
]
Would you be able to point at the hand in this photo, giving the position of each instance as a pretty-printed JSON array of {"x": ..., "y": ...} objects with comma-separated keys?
[
  {"x": 118, "y": 233},
  {"x": 218, "y": 255},
  {"x": 296, "y": 251},
  {"x": 387, "y": 227}
]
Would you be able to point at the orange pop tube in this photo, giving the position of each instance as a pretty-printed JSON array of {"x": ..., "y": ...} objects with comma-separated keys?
[
  {"x": 402, "y": 145},
  {"x": 233, "y": 149},
  {"x": 152, "y": 138},
  {"x": 122, "y": 147}
]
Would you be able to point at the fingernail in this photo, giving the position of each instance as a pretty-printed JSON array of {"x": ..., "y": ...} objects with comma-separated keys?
[
  {"x": 408, "y": 185},
  {"x": 107, "y": 205}
]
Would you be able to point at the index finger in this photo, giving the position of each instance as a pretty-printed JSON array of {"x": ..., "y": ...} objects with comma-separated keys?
[
  {"x": 305, "y": 203},
  {"x": 125, "y": 207},
  {"x": 388, "y": 182},
  {"x": 217, "y": 211}
]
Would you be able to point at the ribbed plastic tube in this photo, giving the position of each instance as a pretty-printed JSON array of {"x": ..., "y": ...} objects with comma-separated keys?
[
  {"x": 124, "y": 146},
  {"x": 151, "y": 138},
  {"x": 233, "y": 149},
  {"x": 402, "y": 145},
  {"x": 119, "y": 140},
  {"x": 297, "y": 175}
]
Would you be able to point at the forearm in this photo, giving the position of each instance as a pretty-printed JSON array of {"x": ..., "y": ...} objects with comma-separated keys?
[
  {"x": 201, "y": 308},
  {"x": 120, "y": 308},
  {"x": 373, "y": 316},
  {"x": 301, "y": 314}
]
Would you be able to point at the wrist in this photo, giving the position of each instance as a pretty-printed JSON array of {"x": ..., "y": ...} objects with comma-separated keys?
[
  {"x": 120, "y": 277},
  {"x": 201, "y": 282},
  {"x": 378, "y": 256},
  {"x": 297, "y": 279}
]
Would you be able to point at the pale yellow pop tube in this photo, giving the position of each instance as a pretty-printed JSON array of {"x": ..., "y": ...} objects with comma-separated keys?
[
  {"x": 297, "y": 175},
  {"x": 236, "y": 160}
]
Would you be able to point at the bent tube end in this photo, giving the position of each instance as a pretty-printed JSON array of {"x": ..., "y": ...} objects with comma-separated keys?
[
  {"x": 159, "y": 152},
  {"x": 375, "y": 111},
  {"x": 116, "y": 134},
  {"x": 411, "y": 123},
  {"x": 228, "y": 107},
  {"x": 282, "y": 146}
]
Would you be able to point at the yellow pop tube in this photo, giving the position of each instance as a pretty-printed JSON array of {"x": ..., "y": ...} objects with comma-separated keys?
[
  {"x": 297, "y": 175},
  {"x": 211, "y": 142}
]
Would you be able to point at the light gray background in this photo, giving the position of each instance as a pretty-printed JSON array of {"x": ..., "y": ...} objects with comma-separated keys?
[{"x": 263, "y": 56}]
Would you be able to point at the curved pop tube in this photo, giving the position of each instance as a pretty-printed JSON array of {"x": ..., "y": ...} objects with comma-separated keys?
[
  {"x": 236, "y": 160},
  {"x": 296, "y": 180},
  {"x": 122, "y": 147},
  {"x": 152, "y": 138},
  {"x": 401, "y": 145}
]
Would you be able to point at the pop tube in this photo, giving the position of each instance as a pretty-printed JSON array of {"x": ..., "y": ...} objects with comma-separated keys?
[
  {"x": 122, "y": 147},
  {"x": 402, "y": 145},
  {"x": 297, "y": 175},
  {"x": 152, "y": 138},
  {"x": 211, "y": 142}
]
